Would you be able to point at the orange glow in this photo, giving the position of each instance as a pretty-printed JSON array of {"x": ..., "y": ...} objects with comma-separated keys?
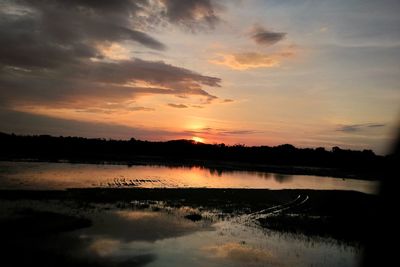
[
  {"x": 198, "y": 139},
  {"x": 250, "y": 60},
  {"x": 244, "y": 61},
  {"x": 113, "y": 51}
]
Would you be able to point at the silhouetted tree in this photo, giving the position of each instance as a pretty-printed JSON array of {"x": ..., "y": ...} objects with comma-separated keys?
[{"x": 46, "y": 147}]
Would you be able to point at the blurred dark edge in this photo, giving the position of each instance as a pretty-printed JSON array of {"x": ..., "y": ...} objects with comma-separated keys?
[{"x": 382, "y": 247}]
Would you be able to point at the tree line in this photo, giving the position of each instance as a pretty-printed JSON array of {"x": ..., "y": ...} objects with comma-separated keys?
[{"x": 46, "y": 147}]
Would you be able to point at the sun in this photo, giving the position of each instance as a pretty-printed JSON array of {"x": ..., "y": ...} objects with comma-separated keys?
[{"x": 198, "y": 139}]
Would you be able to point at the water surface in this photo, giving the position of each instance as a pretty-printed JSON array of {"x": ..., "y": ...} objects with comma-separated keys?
[
  {"x": 42, "y": 175},
  {"x": 180, "y": 242},
  {"x": 129, "y": 236}
]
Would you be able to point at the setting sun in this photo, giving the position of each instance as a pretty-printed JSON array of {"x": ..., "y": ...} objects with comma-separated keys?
[{"x": 198, "y": 139}]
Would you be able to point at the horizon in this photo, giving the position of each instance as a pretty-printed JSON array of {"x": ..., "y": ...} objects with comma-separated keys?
[
  {"x": 311, "y": 74},
  {"x": 193, "y": 141}
]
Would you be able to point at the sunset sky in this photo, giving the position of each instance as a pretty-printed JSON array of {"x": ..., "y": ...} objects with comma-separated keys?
[{"x": 309, "y": 73}]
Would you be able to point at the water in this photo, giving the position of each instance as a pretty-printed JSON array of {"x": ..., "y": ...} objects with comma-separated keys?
[
  {"x": 130, "y": 236},
  {"x": 42, "y": 175},
  {"x": 160, "y": 235},
  {"x": 180, "y": 242}
]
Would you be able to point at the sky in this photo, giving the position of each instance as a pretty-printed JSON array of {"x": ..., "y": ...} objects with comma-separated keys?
[{"x": 310, "y": 73}]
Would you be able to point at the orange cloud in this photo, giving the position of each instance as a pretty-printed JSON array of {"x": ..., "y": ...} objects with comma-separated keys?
[
  {"x": 113, "y": 51},
  {"x": 249, "y": 60}
]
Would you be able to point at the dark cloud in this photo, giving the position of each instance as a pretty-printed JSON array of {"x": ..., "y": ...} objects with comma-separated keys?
[
  {"x": 92, "y": 83},
  {"x": 240, "y": 132},
  {"x": 192, "y": 13},
  {"x": 50, "y": 34},
  {"x": 177, "y": 105},
  {"x": 155, "y": 72},
  {"x": 265, "y": 37},
  {"x": 67, "y": 23},
  {"x": 50, "y": 56},
  {"x": 25, "y": 123},
  {"x": 141, "y": 109},
  {"x": 377, "y": 125},
  {"x": 111, "y": 109},
  {"x": 216, "y": 131},
  {"x": 103, "y": 6},
  {"x": 359, "y": 127}
]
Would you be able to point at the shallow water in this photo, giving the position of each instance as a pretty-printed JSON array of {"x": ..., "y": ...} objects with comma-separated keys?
[
  {"x": 42, "y": 175},
  {"x": 168, "y": 239},
  {"x": 129, "y": 236}
]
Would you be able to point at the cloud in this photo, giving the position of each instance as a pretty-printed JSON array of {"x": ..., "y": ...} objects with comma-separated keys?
[
  {"x": 141, "y": 109},
  {"x": 71, "y": 54},
  {"x": 26, "y": 123},
  {"x": 114, "y": 51},
  {"x": 217, "y": 131},
  {"x": 111, "y": 108},
  {"x": 177, "y": 105},
  {"x": 75, "y": 23},
  {"x": 265, "y": 37},
  {"x": 192, "y": 14},
  {"x": 249, "y": 60},
  {"x": 94, "y": 83},
  {"x": 234, "y": 132},
  {"x": 359, "y": 127}
]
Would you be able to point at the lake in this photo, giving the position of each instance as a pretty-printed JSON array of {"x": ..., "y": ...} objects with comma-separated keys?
[{"x": 43, "y": 175}]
